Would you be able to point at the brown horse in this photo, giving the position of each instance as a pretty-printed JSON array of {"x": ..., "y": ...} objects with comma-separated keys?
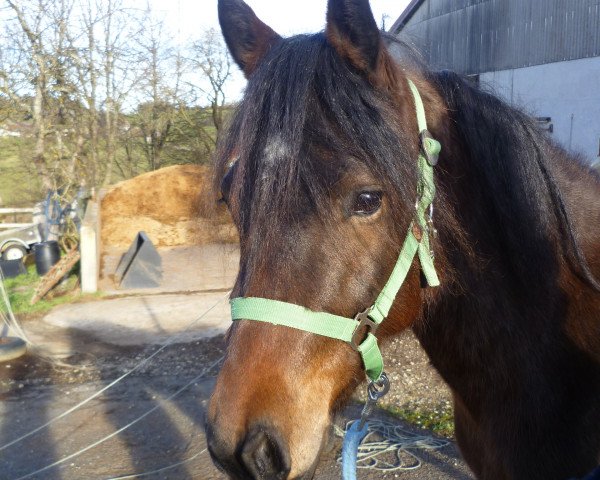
[{"x": 319, "y": 172}]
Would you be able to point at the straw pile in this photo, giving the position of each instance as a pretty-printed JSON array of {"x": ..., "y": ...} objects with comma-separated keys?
[{"x": 173, "y": 205}]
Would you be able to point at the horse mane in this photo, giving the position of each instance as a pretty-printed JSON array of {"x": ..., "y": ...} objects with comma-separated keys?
[{"x": 513, "y": 159}]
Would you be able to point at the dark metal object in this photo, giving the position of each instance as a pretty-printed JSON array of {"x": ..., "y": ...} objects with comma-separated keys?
[
  {"x": 375, "y": 391},
  {"x": 12, "y": 268},
  {"x": 545, "y": 123},
  {"x": 140, "y": 266},
  {"x": 365, "y": 322}
]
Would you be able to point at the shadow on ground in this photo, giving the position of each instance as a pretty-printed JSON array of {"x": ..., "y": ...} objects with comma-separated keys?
[{"x": 166, "y": 392}]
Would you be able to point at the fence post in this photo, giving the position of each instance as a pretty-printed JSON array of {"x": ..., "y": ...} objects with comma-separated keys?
[{"x": 90, "y": 247}]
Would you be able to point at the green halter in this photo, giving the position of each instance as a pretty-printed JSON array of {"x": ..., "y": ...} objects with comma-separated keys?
[{"x": 347, "y": 329}]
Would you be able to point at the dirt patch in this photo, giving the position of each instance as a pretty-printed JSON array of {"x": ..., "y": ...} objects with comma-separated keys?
[
  {"x": 414, "y": 381},
  {"x": 174, "y": 206},
  {"x": 97, "y": 360}
]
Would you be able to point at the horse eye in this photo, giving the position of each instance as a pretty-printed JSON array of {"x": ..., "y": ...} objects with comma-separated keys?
[
  {"x": 367, "y": 203},
  {"x": 226, "y": 182}
]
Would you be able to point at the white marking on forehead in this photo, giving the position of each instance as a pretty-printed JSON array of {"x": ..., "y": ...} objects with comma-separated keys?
[{"x": 276, "y": 149}]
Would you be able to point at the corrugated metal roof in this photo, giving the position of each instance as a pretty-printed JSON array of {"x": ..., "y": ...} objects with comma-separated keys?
[{"x": 475, "y": 36}]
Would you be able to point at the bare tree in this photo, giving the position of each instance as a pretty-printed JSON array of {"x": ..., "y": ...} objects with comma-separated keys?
[
  {"x": 45, "y": 87},
  {"x": 102, "y": 93},
  {"x": 157, "y": 111},
  {"x": 211, "y": 58},
  {"x": 107, "y": 74},
  {"x": 68, "y": 132},
  {"x": 117, "y": 73},
  {"x": 32, "y": 48},
  {"x": 84, "y": 56},
  {"x": 110, "y": 48}
]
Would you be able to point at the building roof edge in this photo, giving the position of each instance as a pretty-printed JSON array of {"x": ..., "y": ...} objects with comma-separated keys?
[{"x": 405, "y": 16}]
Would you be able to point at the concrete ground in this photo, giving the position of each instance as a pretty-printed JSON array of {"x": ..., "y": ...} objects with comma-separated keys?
[
  {"x": 146, "y": 319},
  {"x": 153, "y": 418}
]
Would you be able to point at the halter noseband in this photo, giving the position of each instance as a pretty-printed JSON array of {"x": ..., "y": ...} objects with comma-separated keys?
[{"x": 351, "y": 330}]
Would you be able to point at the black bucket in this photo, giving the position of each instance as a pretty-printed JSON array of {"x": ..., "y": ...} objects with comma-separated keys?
[{"x": 47, "y": 254}]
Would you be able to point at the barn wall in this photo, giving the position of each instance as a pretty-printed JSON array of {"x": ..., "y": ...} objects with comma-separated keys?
[
  {"x": 557, "y": 90},
  {"x": 473, "y": 36}
]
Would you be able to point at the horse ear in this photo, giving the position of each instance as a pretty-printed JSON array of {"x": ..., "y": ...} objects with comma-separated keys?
[
  {"x": 353, "y": 32},
  {"x": 247, "y": 37}
]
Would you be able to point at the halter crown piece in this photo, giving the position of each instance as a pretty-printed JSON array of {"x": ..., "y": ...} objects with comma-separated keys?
[{"x": 351, "y": 330}]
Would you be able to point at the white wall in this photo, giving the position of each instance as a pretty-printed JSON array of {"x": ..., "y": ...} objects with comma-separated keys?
[{"x": 568, "y": 92}]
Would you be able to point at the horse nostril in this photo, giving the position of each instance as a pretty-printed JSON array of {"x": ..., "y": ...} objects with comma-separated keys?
[
  {"x": 264, "y": 456},
  {"x": 218, "y": 452}
]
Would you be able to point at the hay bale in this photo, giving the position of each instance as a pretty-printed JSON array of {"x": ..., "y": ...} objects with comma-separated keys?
[{"x": 173, "y": 205}]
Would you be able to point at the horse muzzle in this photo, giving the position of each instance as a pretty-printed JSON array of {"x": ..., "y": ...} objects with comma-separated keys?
[
  {"x": 260, "y": 455},
  {"x": 270, "y": 419}
]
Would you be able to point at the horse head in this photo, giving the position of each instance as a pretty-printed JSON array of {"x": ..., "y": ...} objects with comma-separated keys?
[{"x": 319, "y": 171}]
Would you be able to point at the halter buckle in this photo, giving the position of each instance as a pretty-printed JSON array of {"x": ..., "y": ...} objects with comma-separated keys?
[{"x": 363, "y": 320}]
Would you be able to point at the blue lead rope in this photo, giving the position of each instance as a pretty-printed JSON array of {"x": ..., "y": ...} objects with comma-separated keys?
[
  {"x": 594, "y": 475},
  {"x": 352, "y": 440}
]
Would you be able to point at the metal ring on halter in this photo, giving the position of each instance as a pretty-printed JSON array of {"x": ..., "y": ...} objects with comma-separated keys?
[
  {"x": 375, "y": 391},
  {"x": 380, "y": 388},
  {"x": 364, "y": 321}
]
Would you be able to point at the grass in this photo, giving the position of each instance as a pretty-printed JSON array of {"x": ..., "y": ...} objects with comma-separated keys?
[
  {"x": 20, "y": 291},
  {"x": 439, "y": 419}
]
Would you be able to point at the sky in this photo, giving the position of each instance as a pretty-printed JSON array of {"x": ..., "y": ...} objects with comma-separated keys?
[
  {"x": 286, "y": 17},
  {"x": 186, "y": 18}
]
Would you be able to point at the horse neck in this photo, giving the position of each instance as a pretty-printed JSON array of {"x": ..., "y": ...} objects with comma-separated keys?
[{"x": 500, "y": 262}]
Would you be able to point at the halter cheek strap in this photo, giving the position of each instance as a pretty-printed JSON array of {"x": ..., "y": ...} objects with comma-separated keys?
[{"x": 350, "y": 330}]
